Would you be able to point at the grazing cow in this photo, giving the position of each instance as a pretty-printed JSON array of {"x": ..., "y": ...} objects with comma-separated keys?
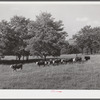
[
  {"x": 56, "y": 61},
  {"x": 51, "y": 61},
  {"x": 62, "y": 61},
  {"x": 87, "y": 58},
  {"x": 78, "y": 59},
  {"x": 47, "y": 63},
  {"x": 65, "y": 61},
  {"x": 40, "y": 63},
  {"x": 16, "y": 66},
  {"x": 70, "y": 60}
]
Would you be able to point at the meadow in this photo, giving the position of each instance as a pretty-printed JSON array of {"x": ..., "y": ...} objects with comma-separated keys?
[{"x": 68, "y": 76}]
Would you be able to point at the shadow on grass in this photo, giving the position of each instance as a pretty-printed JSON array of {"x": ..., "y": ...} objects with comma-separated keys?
[{"x": 8, "y": 62}]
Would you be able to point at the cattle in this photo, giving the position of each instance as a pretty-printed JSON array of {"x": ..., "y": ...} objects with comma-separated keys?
[
  {"x": 78, "y": 59},
  {"x": 16, "y": 66},
  {"x": 41, "y": 63},
  {"x": 56, "y": 61},
  {"x": 47, "y": 63},
  {"x": 87, "y": 58},
  {"x": 70, "y": 60},
  {"x": 51, "y": 61},
  {"x": 62, "y": 61},
  {"x": 67, "y": 60}
]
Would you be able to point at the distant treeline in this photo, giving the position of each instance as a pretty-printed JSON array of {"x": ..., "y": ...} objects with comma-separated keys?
[{"x": 88, "y": 40}]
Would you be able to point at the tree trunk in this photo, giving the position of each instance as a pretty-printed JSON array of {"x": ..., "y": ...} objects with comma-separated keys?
[
  {"x": 87, "y": 51},
  {"x": 19, "y": 57},
  {"x": 82, "y": 51},
  {"x": 27, "y": 57},
  {"x": 91, "y": 51},
  {"x": 23, "y": 57}
]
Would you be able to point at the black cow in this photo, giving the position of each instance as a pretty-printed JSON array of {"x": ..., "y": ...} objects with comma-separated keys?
[
  {"x": 47, "y": 63},
  {"x": 67, "y": 60},
  {"x": 40, "y": 63},
  {"x": 63, "y": 61},
  {"x": 50, "y": 61},
  {"x": 87, "y": 58},
  {"x": 56, "y": 61},
  {"x": 78, "y": 59},
  {"x": 16, "y": 66}
]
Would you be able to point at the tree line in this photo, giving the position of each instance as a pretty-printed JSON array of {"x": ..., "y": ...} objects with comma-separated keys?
[
  {"x": 44, "y": 37},
  {"x": 40, "y": 37},
  {"x": 88, "y": 40}
]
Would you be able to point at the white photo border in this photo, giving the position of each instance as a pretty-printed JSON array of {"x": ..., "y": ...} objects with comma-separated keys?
[{"x": 50, "y": 94}]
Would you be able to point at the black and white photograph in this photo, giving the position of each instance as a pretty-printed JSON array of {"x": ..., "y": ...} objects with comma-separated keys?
[{"x": 50, "y": 45}]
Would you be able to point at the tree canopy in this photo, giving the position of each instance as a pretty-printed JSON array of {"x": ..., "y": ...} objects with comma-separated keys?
[
  {"x": 47, "y": 35},
  {"x": 42, "y": 37},
  {"x": 88, "y": 39}
]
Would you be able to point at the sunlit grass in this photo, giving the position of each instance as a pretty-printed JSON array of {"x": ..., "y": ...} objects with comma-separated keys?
[{"x": 70, "y": 76}]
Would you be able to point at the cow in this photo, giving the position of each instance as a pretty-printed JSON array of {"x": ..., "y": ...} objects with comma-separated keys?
[
  {"x": 62, "y": 61},
  {"x": 87, "y": 58},
  {"x": 40, "y": 63},
  {"x": 16, "y": 66},
  {"x": 56, "y": 61},
  {"x": 70, "y": 60},
  {"x": 47, "y": 63},
  {"x": 66, "y": 60},
  {"x": 51, "y": 61},
  {"x": 78, "y": 59}
]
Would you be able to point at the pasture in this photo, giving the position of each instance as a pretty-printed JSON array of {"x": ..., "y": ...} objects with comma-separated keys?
[{"x": 67, "y": 76}]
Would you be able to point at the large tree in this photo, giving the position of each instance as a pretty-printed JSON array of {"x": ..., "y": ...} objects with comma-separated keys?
[
  {"x": 88, "y": 38},
  {"x": 19, "y": 25},
  {"x": 8, "y": 39},
  {"x": 47, "y": 36}
]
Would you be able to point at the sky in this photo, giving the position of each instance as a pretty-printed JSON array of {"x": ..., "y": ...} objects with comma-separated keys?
[{"x": 74, "y": 15}]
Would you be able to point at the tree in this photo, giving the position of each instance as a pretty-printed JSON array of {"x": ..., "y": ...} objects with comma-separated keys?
[
  {"x": 64, "y": 49},
  {"x": 8, "y": 39},
  {"x": 88, "y": 38},
  {"x": 73, "y": 49},
  {"x": 19, "y": 25},
  {"x": 47, "y": 36}
]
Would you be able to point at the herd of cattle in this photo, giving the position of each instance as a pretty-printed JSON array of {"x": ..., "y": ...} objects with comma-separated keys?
[
  {"x": 54, "y": 62},
  {"x": 62, "y": 61}
]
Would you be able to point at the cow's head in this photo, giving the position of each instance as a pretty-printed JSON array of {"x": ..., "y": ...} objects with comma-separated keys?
[
  {"x": 36, "y": 63},
  {"x": 11, "y": 66}
]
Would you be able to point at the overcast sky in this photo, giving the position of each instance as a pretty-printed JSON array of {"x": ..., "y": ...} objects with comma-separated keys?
[{"x": 73, "y": 15}]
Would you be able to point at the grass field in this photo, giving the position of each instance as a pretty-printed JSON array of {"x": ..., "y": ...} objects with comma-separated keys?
[{"x": 70, "y": 76}]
